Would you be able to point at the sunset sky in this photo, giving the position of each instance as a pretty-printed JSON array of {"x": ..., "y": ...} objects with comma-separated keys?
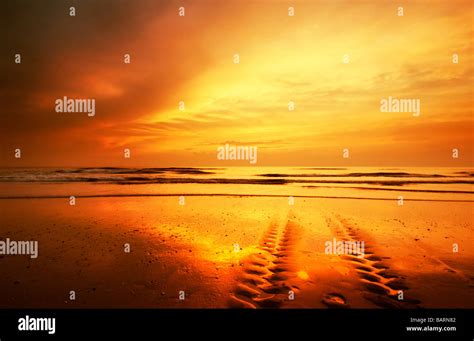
[{"x": 282, "y": 59}]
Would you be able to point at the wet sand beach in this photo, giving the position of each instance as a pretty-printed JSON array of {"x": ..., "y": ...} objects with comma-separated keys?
[{"x": 236, "y": 251}]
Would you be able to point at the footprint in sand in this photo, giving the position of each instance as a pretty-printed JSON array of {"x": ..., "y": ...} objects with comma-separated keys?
[{"x": 335, "y": 300}]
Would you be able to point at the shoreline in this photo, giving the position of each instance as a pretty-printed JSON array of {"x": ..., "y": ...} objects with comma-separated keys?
[{"x": 226, "y": 195}]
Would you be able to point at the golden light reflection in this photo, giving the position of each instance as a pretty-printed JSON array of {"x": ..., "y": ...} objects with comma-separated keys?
[{"x": 303, "y": 275}]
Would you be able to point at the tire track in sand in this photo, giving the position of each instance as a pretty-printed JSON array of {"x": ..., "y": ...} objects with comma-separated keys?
[
  {"x": 381, "y": 284},
  {"x": 266, "y": 276}
]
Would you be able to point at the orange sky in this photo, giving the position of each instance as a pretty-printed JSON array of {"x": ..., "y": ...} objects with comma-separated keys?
[{"x": 282, "y": 59}]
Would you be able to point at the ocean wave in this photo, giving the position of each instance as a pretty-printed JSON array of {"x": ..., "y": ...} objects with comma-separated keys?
[
  {"x": 357, "y": 175},
  {"x": 173, "y": 180},
  {"x": 191, "y": 175},
  {"x": 118, "y": 170}
]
